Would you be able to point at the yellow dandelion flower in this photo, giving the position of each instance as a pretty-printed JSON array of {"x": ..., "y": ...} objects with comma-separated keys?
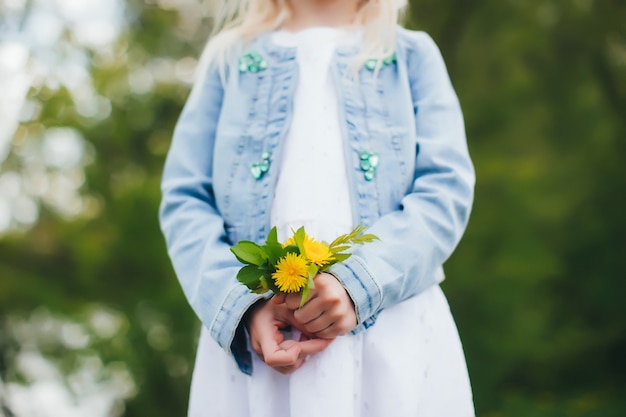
[
  {"x": 317, "y": 252},
  {"x": 291, "y": 273},
  {"x": 290, "y": 241}
]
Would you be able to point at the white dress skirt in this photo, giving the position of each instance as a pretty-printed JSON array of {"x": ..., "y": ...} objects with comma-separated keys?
[{"x": 409, "y": 364}]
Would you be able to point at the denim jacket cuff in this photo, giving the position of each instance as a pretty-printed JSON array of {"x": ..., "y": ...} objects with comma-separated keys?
[
  {"x": 227, "y": 328},
  {"x": 365, "y": 292}
]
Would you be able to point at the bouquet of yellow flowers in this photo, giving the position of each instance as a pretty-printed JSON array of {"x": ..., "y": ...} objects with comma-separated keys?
[{"x": 290, "y": 267}]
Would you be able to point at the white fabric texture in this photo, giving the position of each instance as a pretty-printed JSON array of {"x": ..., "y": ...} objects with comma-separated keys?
[
  {"x": 312, "y": 188},
  {"x": 409, "y": 364}
]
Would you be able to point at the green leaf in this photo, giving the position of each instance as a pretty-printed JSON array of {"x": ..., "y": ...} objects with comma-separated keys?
[
  {"x": 306, "y": 291},
  {"x": 338, "y": 249},
  {"x": 343, "y": 239},
  {"x": 312, "y": 271},
  {"x": 274, "y": 252},
  {"x": 355, "y": 237},
  {"x": 272, "y": 286},
  {"x": 304, "y": 295},
  {"x": 292, "y": 249},
  {"x": 365, "y": 238},
  {"x": 250, "y": 276},
  {"x": 339, "y": 241},
  {"x": 263, "y": 287},
  {"x": 248, "y": 252},
  {"x": 299, "y": 237},
  {"x": 272, "y": 237},
  {"x": 340, "y": 257}
]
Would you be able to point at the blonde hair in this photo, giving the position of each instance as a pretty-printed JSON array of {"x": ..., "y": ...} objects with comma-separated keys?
[{"x": 238, "y": 22}]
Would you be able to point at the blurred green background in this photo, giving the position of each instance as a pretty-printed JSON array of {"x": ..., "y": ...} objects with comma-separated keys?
[{"x": 92, "y": 320}]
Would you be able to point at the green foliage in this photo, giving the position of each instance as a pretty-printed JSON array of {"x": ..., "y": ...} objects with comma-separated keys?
[
  {"x": 262, "y": 261},
  {"x": 356, "y": 236},
  {"x": 536, "y": 285},
  {"x": 249, "y": 253}
]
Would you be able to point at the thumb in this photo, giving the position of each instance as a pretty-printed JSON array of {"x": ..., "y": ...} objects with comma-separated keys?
[
  {"x": 312, "y": 346},
  {"x": 278, "y": 298},
  {"x": 275, "y": 355}
]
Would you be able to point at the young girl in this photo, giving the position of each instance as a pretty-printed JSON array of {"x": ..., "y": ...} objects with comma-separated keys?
[{"x": 323, "y": 114}]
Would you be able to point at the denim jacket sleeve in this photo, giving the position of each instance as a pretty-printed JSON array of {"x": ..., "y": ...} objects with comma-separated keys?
[
  {"x": 193, "y": 226},
  {"x": 416, "y": 239}
]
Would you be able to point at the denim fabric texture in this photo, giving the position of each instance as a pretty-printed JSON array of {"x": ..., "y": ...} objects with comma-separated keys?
[{"x": 418, "y": 203}]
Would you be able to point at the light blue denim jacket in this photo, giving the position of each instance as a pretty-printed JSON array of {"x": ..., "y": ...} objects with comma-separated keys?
[{"x": 418, "y": 202}]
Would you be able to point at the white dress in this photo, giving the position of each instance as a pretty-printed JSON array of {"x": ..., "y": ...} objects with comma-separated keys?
[{"x": 410, "y": 363}]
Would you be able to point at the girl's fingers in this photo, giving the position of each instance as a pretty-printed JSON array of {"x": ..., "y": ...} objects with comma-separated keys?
[
  {"x": 338, "y": 328},
  {"x": 266, "y": 337},
  {"x": 317, "y": 315},
  {"x": 286, "y": 370},
  {"x": 313, "y": 346},
  {"x": 269, "y": 343},
  {"x": 308, "y": 347},
  {"x": 274, "y": 355},
  {"x": 256, "y": 346},
  {"x": 311, "y": 311},
  {"x": 321, "y": 323},
  {"x": 292, "y": 301},
  {"x": 286, "y": 344},
  {"x": 278, "y": 298}
]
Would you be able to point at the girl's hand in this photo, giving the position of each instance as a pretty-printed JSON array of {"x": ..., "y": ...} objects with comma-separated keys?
[
  {"x": 264, "y": 321},
  {"x": 329, "y": 312}
]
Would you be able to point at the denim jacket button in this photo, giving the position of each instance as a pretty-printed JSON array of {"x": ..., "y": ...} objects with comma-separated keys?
[
  {"x": 256, "y": 171},
  {"x": 373, "y": 160}
]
